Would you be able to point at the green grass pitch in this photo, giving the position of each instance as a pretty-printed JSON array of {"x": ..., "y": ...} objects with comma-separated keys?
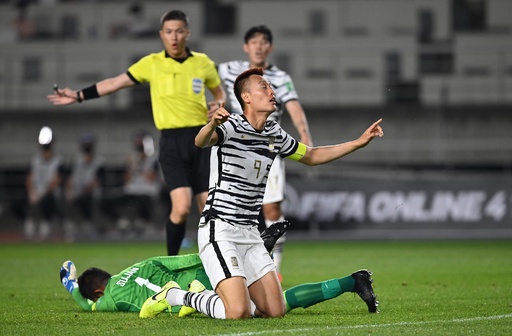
[{"x": 424, "y": 288}]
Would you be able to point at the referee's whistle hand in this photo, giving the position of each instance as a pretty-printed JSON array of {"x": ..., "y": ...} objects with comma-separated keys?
[{"x": 62, "y": 97}]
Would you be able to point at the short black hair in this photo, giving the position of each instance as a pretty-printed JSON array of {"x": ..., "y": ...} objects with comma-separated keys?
[
  {"x": 261, "y": 29},
  {"x": 174, "y": 15},
  {"x": 90, "y": 280},
  {"x": 240, "y": 83}
]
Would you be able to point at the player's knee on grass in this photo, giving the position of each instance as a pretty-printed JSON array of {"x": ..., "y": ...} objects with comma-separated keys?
[
  {"x": 276, "y": 311},
  {"x": 238, "y": 311},
  {"x": 272, "y": 308}
]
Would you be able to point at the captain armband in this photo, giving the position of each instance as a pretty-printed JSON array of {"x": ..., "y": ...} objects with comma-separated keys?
[{"x": 299, "y": 152}]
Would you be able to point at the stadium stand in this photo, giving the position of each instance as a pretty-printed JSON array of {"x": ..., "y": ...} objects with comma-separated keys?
[{"x": 442, "y": 84}]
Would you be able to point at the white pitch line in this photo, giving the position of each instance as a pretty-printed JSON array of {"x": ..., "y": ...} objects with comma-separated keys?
[{"x": 359, "y": 326}]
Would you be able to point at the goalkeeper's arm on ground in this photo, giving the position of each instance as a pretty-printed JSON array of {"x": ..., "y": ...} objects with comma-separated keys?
[{"x": 68, "y": 279}]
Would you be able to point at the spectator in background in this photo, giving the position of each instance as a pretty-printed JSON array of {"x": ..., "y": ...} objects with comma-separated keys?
[
  {"x": 141, "y": 188},
  {"x": 43, "y": 185},
  {"x": 23, "y": 25},
  {"x": 84, "y": 188},
  {"x": 136, "y": 26}
]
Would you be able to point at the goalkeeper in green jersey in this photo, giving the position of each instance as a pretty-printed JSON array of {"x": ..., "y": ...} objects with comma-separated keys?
[{"x": 97, "y": 290}]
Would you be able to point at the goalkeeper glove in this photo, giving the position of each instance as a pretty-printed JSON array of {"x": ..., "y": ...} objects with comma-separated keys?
[{"x": 68, "y": 275}]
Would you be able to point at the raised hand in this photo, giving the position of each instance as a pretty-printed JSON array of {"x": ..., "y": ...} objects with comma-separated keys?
[
  {"x": 212, "y": 107},
  {"x": 68, "y": 276},
  {"x": 375, "y": 130},
  {"x": 220, "y": 115}
]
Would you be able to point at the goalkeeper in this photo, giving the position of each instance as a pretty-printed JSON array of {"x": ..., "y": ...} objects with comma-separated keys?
[{"x": 97, "y": 290}]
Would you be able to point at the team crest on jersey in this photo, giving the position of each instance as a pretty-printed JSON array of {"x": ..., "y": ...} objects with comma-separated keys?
[
  {"x": 234, "y": 262},
  {"x": 197, "y": 85},
  {"x": 271, "y": 142}
]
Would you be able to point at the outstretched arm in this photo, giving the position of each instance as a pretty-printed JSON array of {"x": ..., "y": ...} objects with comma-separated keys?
[
  {"x": 324, "y": 154},
  {"x": 105, "y": 87}
]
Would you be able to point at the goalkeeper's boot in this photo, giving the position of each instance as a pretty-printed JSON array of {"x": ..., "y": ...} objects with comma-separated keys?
[
  {"x": 157, "y": 303},
  {"x": 271, "y": 234},
  {"x": 195, "y": 287},
  {"x": 363, "y": 288}
]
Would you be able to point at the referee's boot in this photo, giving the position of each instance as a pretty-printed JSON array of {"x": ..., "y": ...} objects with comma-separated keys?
[
  {"x": 271, "y": 234},
  {"x": 363, "y": 288}
]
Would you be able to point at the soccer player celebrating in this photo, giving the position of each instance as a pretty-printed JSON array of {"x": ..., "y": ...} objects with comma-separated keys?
[
  {"x": 231, "y": 249},
  {"x": 258, "y": 46},
  {"x": 178, "y": 78}
]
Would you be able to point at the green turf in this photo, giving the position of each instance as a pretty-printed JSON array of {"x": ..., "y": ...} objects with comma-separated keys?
[{"x": 425, "y": 288}]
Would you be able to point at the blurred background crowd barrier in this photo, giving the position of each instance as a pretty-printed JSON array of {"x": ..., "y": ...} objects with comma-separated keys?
[{"x": 438, "y": 71}]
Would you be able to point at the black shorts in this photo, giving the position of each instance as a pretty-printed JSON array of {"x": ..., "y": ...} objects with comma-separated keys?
[{"x": 184, "y": 164}]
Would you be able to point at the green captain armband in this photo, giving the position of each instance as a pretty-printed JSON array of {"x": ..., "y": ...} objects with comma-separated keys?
[{"x": 299, "y": 152}]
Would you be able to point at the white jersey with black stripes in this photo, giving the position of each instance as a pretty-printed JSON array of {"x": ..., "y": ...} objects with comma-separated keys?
[
  {"x": 239, "y": 168},
  {"x": 280, "y": 80}
]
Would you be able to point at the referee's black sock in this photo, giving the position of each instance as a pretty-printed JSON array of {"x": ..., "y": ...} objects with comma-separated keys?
[{"x": 175, "y": 234}]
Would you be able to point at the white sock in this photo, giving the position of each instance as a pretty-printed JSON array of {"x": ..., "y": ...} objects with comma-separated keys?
[
  {"x": 206, "y": 302},
  {"x": 253, "y": 309},
  {"x": 277, "y": 255},
  {"x": 175, "y": 296}
]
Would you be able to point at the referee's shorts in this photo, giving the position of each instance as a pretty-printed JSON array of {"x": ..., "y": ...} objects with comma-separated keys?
[{"x": 183, "y": 164}]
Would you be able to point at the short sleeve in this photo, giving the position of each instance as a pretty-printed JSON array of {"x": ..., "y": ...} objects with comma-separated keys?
[
  {"x": 141, "y": 70},
  {"x": 289, "y": 144},
  {"x": 227, "y": 129}
]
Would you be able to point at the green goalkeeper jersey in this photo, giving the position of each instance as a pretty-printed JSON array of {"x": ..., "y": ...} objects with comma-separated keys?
[{"x": 128, "y": 290}]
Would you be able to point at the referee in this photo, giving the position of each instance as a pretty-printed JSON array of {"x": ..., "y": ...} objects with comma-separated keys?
[{"x": 178, "y": 78}]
